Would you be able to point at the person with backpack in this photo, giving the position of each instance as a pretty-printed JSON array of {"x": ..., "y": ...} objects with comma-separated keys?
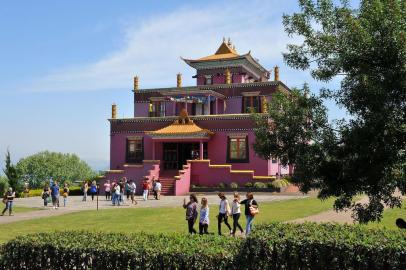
[
  {"x": 8, "y": 200},
  {"x": 251, "y": 209},
  {"x": 224, "y": 212},
  {"x": 204, "y": 217},
  {"x": 65, "y": 194},
  {"x": 145, "y": 188},
  {"x": 93, "y": 189},
  {"x": 85, "y": 188},
  {"x": 236, "y": 213},
  {"x": 45, "y": 195},
  {"x": 157, "y": 189},
  {"x": 55, "y": 194},
  {"x": 191, "y": 212}
]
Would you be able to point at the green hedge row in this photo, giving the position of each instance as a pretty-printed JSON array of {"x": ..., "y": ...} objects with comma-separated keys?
[
  {"x": 73, "y": 191},
  {"x": 274, "y": 246}
]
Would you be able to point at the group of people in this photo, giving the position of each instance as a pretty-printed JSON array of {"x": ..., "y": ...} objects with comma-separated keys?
[
  {"x": 51, "y": 193},
  {"x": 225, "y": 211},
  {"x": 116, "y": 191}
]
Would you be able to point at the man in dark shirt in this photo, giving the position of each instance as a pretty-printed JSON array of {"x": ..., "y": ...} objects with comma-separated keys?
[
  {"x": 8, "y": 199},
  {"x": 55, "y": 194}
]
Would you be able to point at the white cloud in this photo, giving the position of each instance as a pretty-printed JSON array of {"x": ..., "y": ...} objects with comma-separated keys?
[{"x": 152, "y": 48}]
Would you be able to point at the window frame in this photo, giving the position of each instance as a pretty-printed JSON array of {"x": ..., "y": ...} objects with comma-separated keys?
[
  {"x": 158, "y": 109},
  {"x": 251, "y": 102},
  {"x": 237, "y": 160},
  {"x": 134, "y": 160}
]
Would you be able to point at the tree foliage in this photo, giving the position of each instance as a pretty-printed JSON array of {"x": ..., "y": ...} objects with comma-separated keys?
[
  {"x": 11, "y": 172},
  {"x": 366, "y": 47},
  {"x": 38, "y": 168}
]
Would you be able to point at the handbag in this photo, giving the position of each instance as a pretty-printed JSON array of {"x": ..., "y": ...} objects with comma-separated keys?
[
  {"x": 253, "y": 210},
  {"x": 4, "y": 200}
]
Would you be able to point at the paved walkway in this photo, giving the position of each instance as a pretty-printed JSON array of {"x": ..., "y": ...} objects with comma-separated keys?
[{"x": 75, "y": 204}]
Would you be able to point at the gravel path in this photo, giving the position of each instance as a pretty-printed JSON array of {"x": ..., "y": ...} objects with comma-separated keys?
[{"x": 75, "y": 204}]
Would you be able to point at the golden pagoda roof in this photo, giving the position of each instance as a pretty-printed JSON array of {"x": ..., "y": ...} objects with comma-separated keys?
[
  {"x": 182, "y": 127},
  {"x": 225, "y": 51}
]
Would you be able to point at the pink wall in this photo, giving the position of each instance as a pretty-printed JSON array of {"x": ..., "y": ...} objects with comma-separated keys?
[
  {"x": 200, "y": 80},
  {"x": 182, "y": 185},
  {"x": 219, "y": 79},
  {"x": 141, "y": 109},
  {"x": 233, "y": 105}
]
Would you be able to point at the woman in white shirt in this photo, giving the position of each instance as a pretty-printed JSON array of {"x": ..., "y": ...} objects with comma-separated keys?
[
  {"x": 224, "y": 212},
  {"x": 236, "y": 212}
]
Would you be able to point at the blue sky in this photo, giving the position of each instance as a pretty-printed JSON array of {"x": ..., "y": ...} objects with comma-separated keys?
[{"x": 63, "y": 63}]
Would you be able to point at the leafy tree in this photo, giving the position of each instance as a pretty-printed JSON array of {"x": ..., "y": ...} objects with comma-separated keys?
[
  {"x": 40, "y": 167},
  {"x": 11, "y": 172},
  {"x": 366, "y": 47},
  {"x": 3, "y": 185}
]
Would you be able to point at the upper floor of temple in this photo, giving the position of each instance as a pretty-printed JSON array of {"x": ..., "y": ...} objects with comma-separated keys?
[{"x": 226, "y": 83}]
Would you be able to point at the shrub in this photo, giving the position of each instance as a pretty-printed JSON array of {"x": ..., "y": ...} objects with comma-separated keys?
[
  {"x": 233, "y": 185},
  {"x": 286, "y": 181},
  {"x": 279, "y": 183},
  {"x": 67, "y": 250},
  {"x": 222, "y": 185},
  {"x": 73, "y": 191},
  {"x": 248, "y": 185},
  {"x": 323, "y": 246},
  {"x": 259, "y": 185},
  {"x": 271, "y": 186}
]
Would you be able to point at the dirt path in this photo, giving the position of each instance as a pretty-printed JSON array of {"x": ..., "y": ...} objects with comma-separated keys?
[{"x": 331, "y": 216}]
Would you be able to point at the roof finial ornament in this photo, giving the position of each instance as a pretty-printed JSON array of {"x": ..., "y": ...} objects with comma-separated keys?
[
  {"x": 224, "y": 39},
  {"x": 229, "y": 42}
]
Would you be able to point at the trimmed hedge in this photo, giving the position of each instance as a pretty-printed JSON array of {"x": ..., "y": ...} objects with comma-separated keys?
[
  {"x": 91, "y": 250},
  {"x": 273, "y": 246},
  {"x": 73, "y": 191},
  {"x": 324, "y": 246}
]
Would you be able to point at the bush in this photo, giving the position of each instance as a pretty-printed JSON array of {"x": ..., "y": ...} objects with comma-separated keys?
[
  {"x": 248, "y": 185},
  {"x": 67, "y": 250},
  {"x": 233, "y": 185},
  {"x": 271, "y": 186},
  {"x": 3, "y": 185},
  {"x": 73, "y": 191},
  {"x": 286, "y": 181},
  {"x": 280, "y": 183},
  {"x": 259, "y": 185},
  {"x": 272, "y": 246},
  {"x": 222, "y": 185},
  {"x": 323, "y": 246}
]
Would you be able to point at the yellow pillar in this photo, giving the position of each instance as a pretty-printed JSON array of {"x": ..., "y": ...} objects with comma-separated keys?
[
  {"x": 179, "y": 80},
  {"x": 276, "y": 73},
  {"x": 228, "y": 76},
  {"x": 136, "y": 83},
  {"x": 113, "y": 111}
]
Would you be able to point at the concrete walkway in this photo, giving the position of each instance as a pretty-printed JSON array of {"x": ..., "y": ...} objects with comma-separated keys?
[{"x": 75, "y": 204}]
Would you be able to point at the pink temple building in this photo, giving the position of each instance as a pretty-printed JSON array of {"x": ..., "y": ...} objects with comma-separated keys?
[{"x": 197, "y": 135}]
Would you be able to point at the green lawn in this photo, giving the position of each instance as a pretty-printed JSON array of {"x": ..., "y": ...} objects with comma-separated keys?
[
  {"x": 389, "y": 218},
  {"x": 152, "y": 220},
  {"x": 20, "y": 209}
]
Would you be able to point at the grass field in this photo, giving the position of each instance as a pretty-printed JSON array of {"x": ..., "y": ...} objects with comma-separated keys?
[
  {"x": 19, "y": 209},
  {"x": 389, "y": 218},
  {"x": 155, "y": 219}
]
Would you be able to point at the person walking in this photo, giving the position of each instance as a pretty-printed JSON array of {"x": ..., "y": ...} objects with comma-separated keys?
[
  {"x": 107, "y": 190},
  {"x": 93, "y": 189},
  {"x": 118, "y": 194},
  {"x": 236, "y": 213},
  {"x": 133, "y": 190},
  {"x": 65, "y": 194},
  {"x": 55, "y": 195},
  {"x": 128, "y": 189},
  {"x": 8, "y": 200},
  {"x": 85, "y": 188},
  {"x": 145, "y": 188},
  {"x": 191, "y": 212},
  {"x": 224, "y": 212},
  {"x": 45, "y": 195},
  {"x": 251, "y": 209},
  {"x": 157, "y": 189},
  {"x": 204, "y": 217},
  {"x": 113, "y": 193}
]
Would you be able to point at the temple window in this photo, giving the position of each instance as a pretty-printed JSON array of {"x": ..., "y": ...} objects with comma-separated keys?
[
  {"x": 251, "y": 104},
  {"x": 135, "y": 150},
  {"x": 208, "y": 80},
  {"x": 156, "y": 109},
  {"x": 237, "y": 149}
]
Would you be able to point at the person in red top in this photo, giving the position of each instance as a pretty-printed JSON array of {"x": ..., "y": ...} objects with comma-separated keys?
[{"x": 145, "y": 187}]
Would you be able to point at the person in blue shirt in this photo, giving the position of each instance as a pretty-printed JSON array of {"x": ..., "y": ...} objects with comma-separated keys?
[
  {"x": 93, "y": 189},
  {"x": 204, "y": 217},
  {"x": 55, "y": 194}
]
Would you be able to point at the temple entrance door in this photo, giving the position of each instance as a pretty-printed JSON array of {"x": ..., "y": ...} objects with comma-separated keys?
[{"x": 176, "y": 154}]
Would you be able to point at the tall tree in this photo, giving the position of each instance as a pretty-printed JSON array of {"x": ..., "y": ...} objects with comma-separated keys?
[
  {"x": 11, "y": 172},
  {"x": 38, "y": 168},
  {"x": 366, "y": 48}
]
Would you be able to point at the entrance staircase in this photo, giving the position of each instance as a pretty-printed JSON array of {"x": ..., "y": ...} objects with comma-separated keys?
[{"x": 167, "y": 179}]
